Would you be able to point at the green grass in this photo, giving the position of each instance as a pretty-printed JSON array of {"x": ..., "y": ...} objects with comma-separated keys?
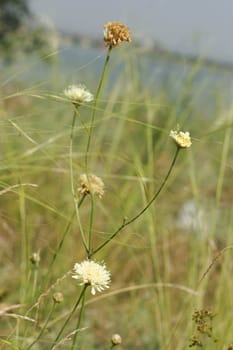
[{"x": 156, "y": 265}]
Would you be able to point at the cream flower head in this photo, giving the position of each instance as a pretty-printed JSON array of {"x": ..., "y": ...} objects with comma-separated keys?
[
  {"x": 115, "y": 33},
  {"x": 182, "y": 139},
  {"x": 91, "y": 273},
  {"x": 116, "y": 339},
  {"x": 78, "y": 94},
  {"x": 91, "y": 184}
]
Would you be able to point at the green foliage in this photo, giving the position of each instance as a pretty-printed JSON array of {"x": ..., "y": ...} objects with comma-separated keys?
[{"x": 161, "y": 270}]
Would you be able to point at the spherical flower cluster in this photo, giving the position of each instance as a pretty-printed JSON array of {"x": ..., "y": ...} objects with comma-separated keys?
[
  {"x": 115, "y": 33},
  {"x": 78, "y": 94},
  {"x": 182, "y": 139},
  {"x": 91, "y": 184},
  {"x": 92, "y": 274},
  {"x": 116, "y": 339}
]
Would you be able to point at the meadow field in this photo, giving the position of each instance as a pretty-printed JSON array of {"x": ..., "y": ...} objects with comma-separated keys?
[{"x": 161, "y": 225}]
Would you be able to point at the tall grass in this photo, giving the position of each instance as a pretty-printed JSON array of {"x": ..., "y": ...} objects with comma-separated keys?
[{"x": 172, "y": 260}]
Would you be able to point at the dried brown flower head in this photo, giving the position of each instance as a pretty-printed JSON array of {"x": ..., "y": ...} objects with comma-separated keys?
[
  {"x": 91, "y": 184},
  {"x": 115, "y": 33}
]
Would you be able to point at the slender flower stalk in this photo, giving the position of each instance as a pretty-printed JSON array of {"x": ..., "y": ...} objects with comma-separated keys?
[
  {"x": 71, "y": 151},
  {"x": 96, "y": 103},
  {"x": 79, "y": 322},
  {"x": 43, "y": 328},
  {"x": 72, "y": 179},
  {"x": 77, "y": 94},
  {"x": 128, "y": 222},
  {"x": 114, "y": 34},
  {"x": 69, "y": 317},
  {"x": 89, "y": 143},
  {"x": 65, "y": 233}
]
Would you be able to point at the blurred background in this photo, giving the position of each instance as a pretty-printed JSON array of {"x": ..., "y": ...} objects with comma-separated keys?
[
  {"x": 178, "y": 70},
  {"x": 191, "y": 27},
  {"x": 168, "y": 38}
]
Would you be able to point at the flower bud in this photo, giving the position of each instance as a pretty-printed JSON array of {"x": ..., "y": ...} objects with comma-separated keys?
[
  {"x": 116, "y": 339},
  {"x": 58, "y": 298},
  {"x": 35, "y": 259}
]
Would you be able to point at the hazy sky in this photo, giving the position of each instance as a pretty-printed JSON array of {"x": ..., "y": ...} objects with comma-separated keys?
[{"x": 197, "y": 26}]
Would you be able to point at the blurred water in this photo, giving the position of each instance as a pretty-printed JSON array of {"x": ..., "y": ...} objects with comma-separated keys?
[{"x": 75, "y": 64}]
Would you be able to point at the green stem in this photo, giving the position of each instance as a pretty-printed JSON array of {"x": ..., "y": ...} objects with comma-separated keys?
[
  {"x": 72, "y": 177},
  {"x": 25, "y": 243},
  {"x": 43, "y": 328},
  {"x": 65, "y": 233},
  {"x": 126, "y": 223},
  {"x": 95, "y": 104},
  {"x": 69, "y": 317},
  {"x": 71, "y": 151},
  {"x": 79, "y": 322},
  {"x": 91, "y": 224},
  {"x": 35, "y": 281},
  {"x": 89, "y": 142}
]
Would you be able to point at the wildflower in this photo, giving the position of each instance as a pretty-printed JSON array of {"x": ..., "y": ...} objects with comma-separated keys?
[
  {"x": 182, "y": 139},
  {"x": 116, "y": 339},
  {"x": 78, "y": 94},
  {"x": 91, "y": 273},
  {"x": 91, "y": 184},
  {"x": 115, "y": 33}
]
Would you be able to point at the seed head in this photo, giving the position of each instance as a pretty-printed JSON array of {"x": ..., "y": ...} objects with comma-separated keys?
[
  {"x": 115, "y": 33},
  {"x": 91, "y": 184},
  {"x": 92, "y": 274}
]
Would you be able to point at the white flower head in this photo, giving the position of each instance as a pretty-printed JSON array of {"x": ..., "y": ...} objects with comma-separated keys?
[
  {"x": 182, "y": 139},
  {"x": 91, "y": 184},
  {"x": 92, "y": 274},
  {"x": 78, "y": 94}
]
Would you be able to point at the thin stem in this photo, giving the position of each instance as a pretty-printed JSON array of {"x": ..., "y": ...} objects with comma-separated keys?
[
  {"x": 126, "y": 223},
  {"x": 71, "y": 151},
  {"x": 89, "y": 143},
  {"x": 65, "y": 233},
  {"x": 72, "y": 176},
  {"x": 35, "y": 280},
  {"x": 91, "y": 224},
  {"x": 95, "y": 104},
  {"x": 79, "y": 322},
  {"x": 43, "y": 328},
  {"x": 69, "y": 317},
  {"x": 25, "y": 242}
]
